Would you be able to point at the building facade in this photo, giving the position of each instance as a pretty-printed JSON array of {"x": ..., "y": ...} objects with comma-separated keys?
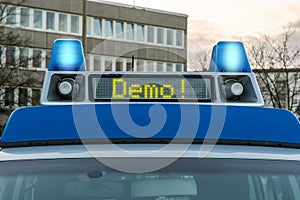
[{"x": 118, "y": 38}]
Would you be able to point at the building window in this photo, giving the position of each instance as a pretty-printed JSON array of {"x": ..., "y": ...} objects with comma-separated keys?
[
  {"x": 37, "y": 58},
  {"x": 160, "y": 35},
  {"x": 119, "y": 30},
  {"x": 97, "y": 63},
  {"x": 35, "y": 97},
  {"x": 48, "y": 56},
  {"x": 108, "y": 64},
  {"x": 169, "y": 67},
  {"x": 179, "y": 67},
  {"x": 11, "y": 15},
  {"x": 129, "y": 65},
  {"x": 108, "y": 28},
  {"x": 1, "y": 14},
  {"x": 2, "y": 56},
  {"x": 62, "y": 24},
  {"x": 170, "y": 37},
  {"x": 140, "y": 33},
  {"x": 88, "y": 64},
  {"x": 129, "y": 31},
  {"x": 150, "y": 34},
  {"x": 74, "y": 24},
  {"x": 24, "y": 57},
  {"x": 23, "y": 97},
  {"x": 119, "y": 65},
  {"x": 140, "y": 66},
  {"x": 10, "y": 55},
  {"x": 179, "y": 38},
  {"x": 97, "y": 27},
  {"x": 24, "y": 17},
  {"x": 50, "y": 25},
  {"x": 150, "y": 66},
  {"x": 38, "y": 19},
  {"x": 160, "y": 67},
  {"x": 88, "y": 25},
  {"x": 9, "y": 95}
]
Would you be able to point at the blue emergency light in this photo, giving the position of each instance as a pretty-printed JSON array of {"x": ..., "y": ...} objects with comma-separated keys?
[
  {"x": 229, "y": 57},
  {"x": 67, "y": 55}
]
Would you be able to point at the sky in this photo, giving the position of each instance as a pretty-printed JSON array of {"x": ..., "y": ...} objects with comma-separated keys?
[{"x": 212, "y": 20}]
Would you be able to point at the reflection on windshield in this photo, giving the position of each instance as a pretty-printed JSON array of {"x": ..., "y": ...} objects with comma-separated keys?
[{"x": 203, "y": 179}]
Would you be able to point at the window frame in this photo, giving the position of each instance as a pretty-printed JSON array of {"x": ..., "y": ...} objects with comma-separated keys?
[
  {"x": 41, "y": 20},
  {"x": 52, "y": 29},
  {"x": 28, "y": 17},
  {"x": 65, "y": 30},
  {"x": 12, "y": 15},
  {"x": 77, "y": 27}
]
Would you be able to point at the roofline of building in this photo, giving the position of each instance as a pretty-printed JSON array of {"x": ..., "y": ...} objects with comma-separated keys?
[
  {"x": 140, "y": 8},
  {"x": 277, "y": 70}
]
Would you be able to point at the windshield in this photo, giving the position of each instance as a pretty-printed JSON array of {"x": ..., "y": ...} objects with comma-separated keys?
[{"x": 203, "y": 179}]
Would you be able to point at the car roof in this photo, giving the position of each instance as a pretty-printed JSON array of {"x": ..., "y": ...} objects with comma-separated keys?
[{"x": 91, "y": 123}]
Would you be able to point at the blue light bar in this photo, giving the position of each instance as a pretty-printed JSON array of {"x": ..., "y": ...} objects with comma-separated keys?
[
  {"x": 229, "y": 57},
  {"x": 67, "y": 55},
  {"x": 54, "y": 123}
]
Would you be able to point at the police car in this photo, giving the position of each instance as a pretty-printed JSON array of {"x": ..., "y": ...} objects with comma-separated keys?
[{"x": 178, "y": 136}]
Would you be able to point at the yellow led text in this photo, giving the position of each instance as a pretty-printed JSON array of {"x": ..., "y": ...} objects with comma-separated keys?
[{"x": 122, "y": 89}]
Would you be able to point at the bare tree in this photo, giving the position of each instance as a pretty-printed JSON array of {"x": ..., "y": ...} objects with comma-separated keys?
[
  {"x": 198, "y": 60},
  {"x": 276, "y": 62},
  {"x": 15, "y": 70}
]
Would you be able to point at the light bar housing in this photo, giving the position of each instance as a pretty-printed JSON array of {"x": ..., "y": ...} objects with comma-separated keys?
[{"x": 209, "y": 89}]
